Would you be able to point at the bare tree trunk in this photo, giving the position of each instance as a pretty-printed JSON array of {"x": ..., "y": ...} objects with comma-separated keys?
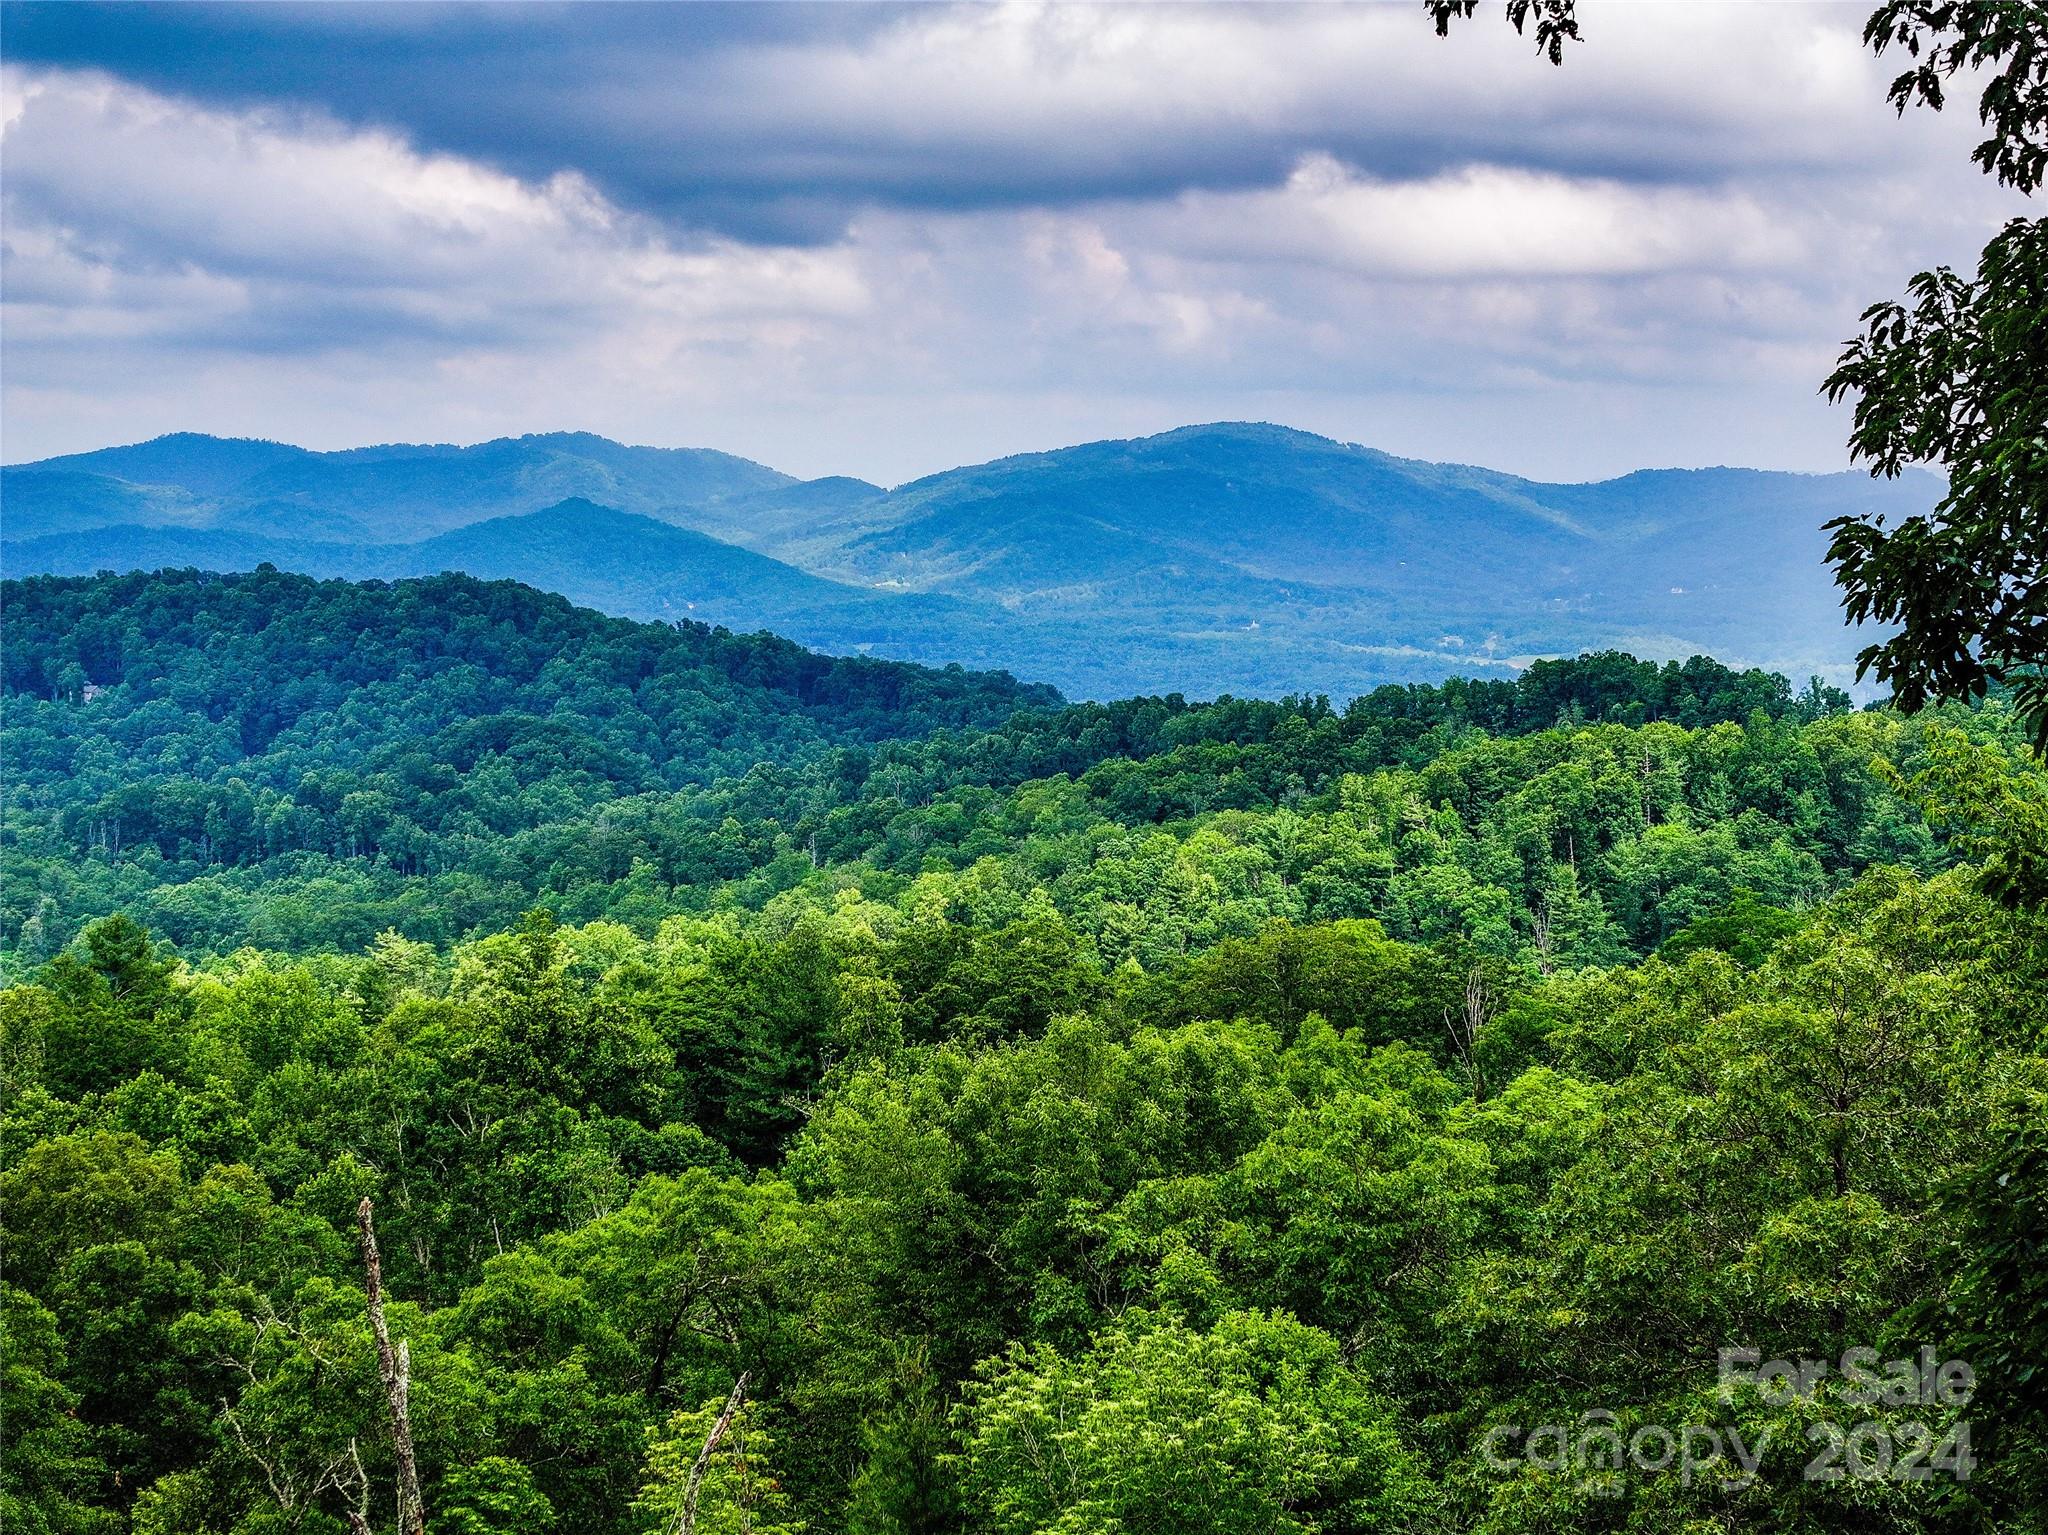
[
  {"x": 358, "y": 1514},
  {"x": 1539, "y": 928},
  {"x": 1464, "y": 1024},
  {"x": 395, "y": 1366},
  {"x": 688, "y": 1526}
]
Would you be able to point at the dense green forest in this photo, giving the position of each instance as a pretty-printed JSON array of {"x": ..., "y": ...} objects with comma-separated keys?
[
  {"x": 998, "y": 1115},
  {"x": 302, "y": 764}
]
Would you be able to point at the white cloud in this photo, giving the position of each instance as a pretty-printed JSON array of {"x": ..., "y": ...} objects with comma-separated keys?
[
  {"x": 1443, "y": 248},
  {"x": 208, "y": 224},
  {"x": 1094, "y": 98},
  {"x": 1489, "y": 221}
]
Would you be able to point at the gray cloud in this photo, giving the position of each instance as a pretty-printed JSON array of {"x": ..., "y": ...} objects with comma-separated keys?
[
  {"x": 883, "y": 241},
  {"x": 781, "y": 122}
]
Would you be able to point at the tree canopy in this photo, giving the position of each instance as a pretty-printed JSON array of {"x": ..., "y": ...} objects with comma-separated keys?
[{"x": 889, "y": 1101}]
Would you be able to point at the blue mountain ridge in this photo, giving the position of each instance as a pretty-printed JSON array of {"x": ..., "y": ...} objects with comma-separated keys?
[{"x": 1235, "y": 557}]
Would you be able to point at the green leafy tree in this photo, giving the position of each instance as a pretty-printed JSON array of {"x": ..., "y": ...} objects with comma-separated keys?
[
  {"x": 49, "y": 1475},
  {"x": 1958, "y": 376},
  {"x": 496, "y": 1496},
  {"x": 1998, "y": 1308},
  {"x": 118, "y": 1012},
  {"x": 1254, "y": 1425},
  {"x": 737, "y": 1489},
  {"x": 905, "y": 1485}
]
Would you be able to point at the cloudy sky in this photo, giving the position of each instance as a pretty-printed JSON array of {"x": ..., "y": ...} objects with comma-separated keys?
[{"x": 885, "y": 240}]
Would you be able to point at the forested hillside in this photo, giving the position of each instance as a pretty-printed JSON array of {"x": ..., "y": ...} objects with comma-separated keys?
[
  {"x": 299, "y": 764},
  {"x": 1006, "y": 1116}
]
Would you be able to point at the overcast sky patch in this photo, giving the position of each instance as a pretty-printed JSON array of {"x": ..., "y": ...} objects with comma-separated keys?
[{"x": 882, "y": 240}]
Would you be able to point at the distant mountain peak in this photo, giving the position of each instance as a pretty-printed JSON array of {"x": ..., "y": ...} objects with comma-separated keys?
[
  {"x": 193, "y": 438},
  {"x": 582, "y": 506},
  {"x": 1240, "y": 556}
]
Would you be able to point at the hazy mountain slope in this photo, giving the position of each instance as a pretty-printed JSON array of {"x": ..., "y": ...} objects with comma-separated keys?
[
  {"x": 403, "y": 493},
  {"x": 131, "y": 546},
  {"x": 1275, "y": 503},
  {"x": 1233, "y": 557},
  {"x": 191, "y": 461},
  {"x": 647, "y": 565},
  {"x": 393, "y": 493},
  {"x": 618, "y": 562},
  {"x": 1288, "y": 506},
  {"x": 38, "y": 501},
  {"x": 295, "y": 520},
  {"x": 1729, "y": 561},
  {"x": 1311, "y": 539},
  {"x": 633, "y": 565},
  {"x": 803, "y": 523}
]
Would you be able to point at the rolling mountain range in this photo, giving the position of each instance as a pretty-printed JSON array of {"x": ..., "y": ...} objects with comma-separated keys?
[{"x": 1227, "y": 558}]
